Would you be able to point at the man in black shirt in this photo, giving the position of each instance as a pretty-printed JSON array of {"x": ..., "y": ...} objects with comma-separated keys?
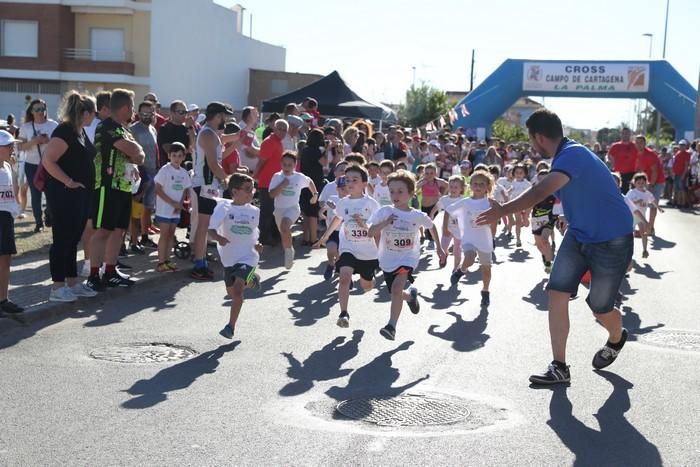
[{"x": 180, "y": 128}]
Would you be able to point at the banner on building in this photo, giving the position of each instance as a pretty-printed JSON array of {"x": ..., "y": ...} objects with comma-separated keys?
[{"x": 586, "y": 77}]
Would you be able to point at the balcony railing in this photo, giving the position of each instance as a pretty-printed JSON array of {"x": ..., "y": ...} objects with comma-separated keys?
[{"x": 99, "y": 55}]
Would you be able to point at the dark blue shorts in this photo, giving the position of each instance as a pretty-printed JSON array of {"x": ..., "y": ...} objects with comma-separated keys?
[
  {"x": 241, "y": 271},
  {"x": 607, "y": 261}
]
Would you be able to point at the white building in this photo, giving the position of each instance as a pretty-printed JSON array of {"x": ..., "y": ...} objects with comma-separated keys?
[{"x": 180, "y": 49}]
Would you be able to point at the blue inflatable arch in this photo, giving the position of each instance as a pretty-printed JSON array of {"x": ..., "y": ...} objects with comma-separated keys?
[{"x": 654, "y": 80}]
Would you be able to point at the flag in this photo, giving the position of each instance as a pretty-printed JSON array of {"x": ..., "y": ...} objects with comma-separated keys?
[
  {"x": 463, "y": 110},
  {"x": 430, "y": 127},
  {"x": 442, "y": 121},
  {"x": 453, "y": 116}
]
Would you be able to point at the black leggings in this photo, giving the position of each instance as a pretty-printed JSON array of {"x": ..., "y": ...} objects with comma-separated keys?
[
  {"x": 427, "y": 209},
  {"x": 69, "y": 212}
]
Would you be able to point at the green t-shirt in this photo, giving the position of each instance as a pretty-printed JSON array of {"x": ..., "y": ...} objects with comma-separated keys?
[{"x": 110, "y": 163}]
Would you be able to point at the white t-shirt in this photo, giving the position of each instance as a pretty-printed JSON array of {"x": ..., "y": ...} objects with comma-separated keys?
[
  {"x": 8, "y": 202},
  {"x": 382, "y": 195},
  {"x": 500, "y": 194},
  {"x": 466, "y": 211},
  {"x": 289, "y": 196},
  {"x": 519, "y": 188},
  {"x": 90, "y": 130},
  {"x": 245, "y": 159},
  {"x": 374, "y": 181},
  {"x": 399, "y": 244},
  {"x": 331, "y": 206},
  {"x": 504, "y": 182},
  {"x": 641, "y": 200},
  {"x": 26, "y": 132},
  {"x": 331, "y": 189},
  {"x": 238, "y": 224},
  {"x": 453, "y": 223},
  {"x": 175, "y": 182},
  {"x": 354, "y": 237}
]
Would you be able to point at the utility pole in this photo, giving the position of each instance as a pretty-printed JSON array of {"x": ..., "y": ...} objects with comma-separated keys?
[
  {"x": 663, "y": 55},
  {"x": 471, "y": 74}
]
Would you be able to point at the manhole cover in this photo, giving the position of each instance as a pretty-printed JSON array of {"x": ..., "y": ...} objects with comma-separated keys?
[
  {"x": 154, "y": 352},
  {"x": 404, "y": 410},
  {"x": 673, "y": 339}
]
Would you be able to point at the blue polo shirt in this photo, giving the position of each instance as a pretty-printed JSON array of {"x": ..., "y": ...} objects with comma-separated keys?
[{"x": 592, "y": 202}]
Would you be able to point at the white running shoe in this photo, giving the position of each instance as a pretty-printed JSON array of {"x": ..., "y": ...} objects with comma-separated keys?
[
  {"x": 80, "y": 289},
  {"x": 62, "y": 294},
  {"x": 288, "y": 258}
]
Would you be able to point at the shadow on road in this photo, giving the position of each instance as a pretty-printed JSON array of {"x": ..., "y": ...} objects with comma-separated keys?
[
  {"x": 647, "y": 271},
  {"x": 267, "y": 285},
  {"x": 150, "y": 392},
  {"x": 375, "y": 378},
  {"x": 464, "y": 335},
  {"x": 519, "y": 256},
  {"x": 633, "y": 322},
  {"x": 658, "y": 243},
  {"x": 538, "y": 296},
  {"x": 313, "y": 303},
  {"x": 617, "y": 443},
  {"x": 443, "y": 298},
  {"x": 321, "y": 365}
]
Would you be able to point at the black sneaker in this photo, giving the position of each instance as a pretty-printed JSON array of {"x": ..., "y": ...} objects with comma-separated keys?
[
  {"x": 328, "y": 273},
  {"x": 556, "y": 373},
  {"x": 201, "y": 274},
  {"x": 485, "y": 298},
  {"x": 456, "y": 276},
  {"x": 343, "y": 320},
  {"x": 148, "y": 243},
  {"x": 112, "y": 279},
  {"x": 388, "y": 332},
  {"x": 95, "y": 283},
  {"x": 137, "y": 249},
  {"x": 10, "y": 308},
  {"x": 606, "y": 355},
  {"x": 413, "y": 303}
]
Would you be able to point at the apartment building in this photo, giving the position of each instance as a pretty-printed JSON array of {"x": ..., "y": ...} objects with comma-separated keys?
[{"x": 188, "y": 49}]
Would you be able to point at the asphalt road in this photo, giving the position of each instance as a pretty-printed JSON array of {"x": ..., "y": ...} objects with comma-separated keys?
[{"x": 268, "y": 397}]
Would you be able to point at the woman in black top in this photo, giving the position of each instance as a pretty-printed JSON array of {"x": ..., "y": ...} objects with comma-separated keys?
[
  {"x": 313, "y": 159},
  {"x": 69, "y": 161}
]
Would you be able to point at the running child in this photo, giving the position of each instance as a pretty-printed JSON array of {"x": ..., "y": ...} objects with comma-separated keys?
[
  {"x": 642, "y": 199},
  {"x": 381, "y": 190},
  {"x": 173, "y": 184},
  {"x": 374, "y": 178},
  {"x": 234, "y": 226},
  {"x": 285, "y": 189},
  {"x": 330, "y": 188},
  {"x": 334, "y": 238},
  {"x": 432, "y": 189},
  {"x": 9, "y": 209},
  {"x": 506, "y": 181},
  {"x": 358, "y": 250},
  {"x": 476, "y": 240},
  {"x": 543, "y": 222},
  {"x": 399, "y": 248},
  {"x": 450, "y": 225},
  {"x": 519, "y": 185}
]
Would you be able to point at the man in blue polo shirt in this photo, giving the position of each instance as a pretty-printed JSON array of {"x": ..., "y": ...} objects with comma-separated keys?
[{"x": 599, "y": 239}]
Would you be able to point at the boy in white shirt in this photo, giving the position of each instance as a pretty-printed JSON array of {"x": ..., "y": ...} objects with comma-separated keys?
[
  {"x": 9, "y": 209},
  {"x": 520, "y": 185},
  {"x": 234, "y": 226},
  {"x": 477, "y": 240},
  {"x": 172, "y": 187},
  {"x": 399, "y": 247},
  {"x": 380, "y": 190},
  {"x": 374, "y": 178},
  {"x": 334, "y": 238},
  {"x": 641, "y": 198},
  {"x": 358, "y": 250},
  {"x": 285, "y": 189},
  {"x": 330, "y": 189}
]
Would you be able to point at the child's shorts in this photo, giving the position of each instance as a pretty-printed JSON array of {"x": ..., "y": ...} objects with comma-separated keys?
[
  {"x": 390, "y": 276},
  {"x": 7, "y": 234},
  {"x": 242, "y": 271},
  {"x": 167, "y": 220},
  {"x": 365, "y": 268},
  {"x": 136, "y": 209},
  {"x": 484, "y": 256},
  {"x": 334, "y": 238},
  {"x": 292, "y": 214}
]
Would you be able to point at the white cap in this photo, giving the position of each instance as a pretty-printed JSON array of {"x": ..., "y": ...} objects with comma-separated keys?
[
  {"x": 683, "y": 141},
  {"x": 192, "y": 107},
  {"x": 6, "y": 138}
]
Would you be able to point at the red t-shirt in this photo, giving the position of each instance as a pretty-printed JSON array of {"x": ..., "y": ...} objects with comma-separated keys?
[
  {"x": 625, "y": 157},
  {"x": 680, "y": 162},
  {"x": 232, "y": 160},
  {"x": 648, "y": 159},
  {"x": 270, "y": 160}
]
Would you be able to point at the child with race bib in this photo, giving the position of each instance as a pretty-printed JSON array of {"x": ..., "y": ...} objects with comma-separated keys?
[
  {"x": 399, "y": 247},
  {"x": 334, "y": 238},
  {"x": 234, "y": 226},
  {"x": 285, "y": 189},
  {"x": 450, "y": 225}
]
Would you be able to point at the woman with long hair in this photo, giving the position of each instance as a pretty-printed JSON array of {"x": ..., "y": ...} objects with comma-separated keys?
[
  {"x": 69, "y": 160},
  {"x": 34, "y": 136}
]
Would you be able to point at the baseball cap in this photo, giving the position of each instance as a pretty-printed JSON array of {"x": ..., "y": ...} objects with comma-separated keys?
[
  {"x": 192, "y": 107},
  {"x": 231, "y": 128},
  {"x": 683, "y": 141},
  {"x": 215, "y": 107},
  {"x": 6, "y": 138},
  {"x": 295, "y": 121}
]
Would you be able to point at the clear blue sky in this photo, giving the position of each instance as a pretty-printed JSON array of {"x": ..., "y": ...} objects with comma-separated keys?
[{"x": 375, "y": 43}]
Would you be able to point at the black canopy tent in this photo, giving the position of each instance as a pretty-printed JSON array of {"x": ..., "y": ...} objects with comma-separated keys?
[{"x": 335, "y": 99}]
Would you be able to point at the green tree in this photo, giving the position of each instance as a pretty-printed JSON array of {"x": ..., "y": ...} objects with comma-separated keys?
[
  {"x": 667, "y": 131},
  {"x": 503, "y": 129},
  {"x": 423, "y": 104}
]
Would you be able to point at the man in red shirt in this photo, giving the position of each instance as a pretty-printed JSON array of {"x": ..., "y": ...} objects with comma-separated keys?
[
  {"x": 679, "y": 169},
  {"x": 650, "y": 163},
  {"x": 623, "y": 156},
  {"x": 270, "y": 163}
]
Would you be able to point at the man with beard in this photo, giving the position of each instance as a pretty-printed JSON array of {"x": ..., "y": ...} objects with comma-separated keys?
[
  {"x": 599, "y": 239},
  {"x": 145, "y": 134}
]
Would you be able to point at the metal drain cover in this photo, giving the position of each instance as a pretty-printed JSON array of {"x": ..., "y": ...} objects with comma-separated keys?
[
  {"x": 673, "y": 339},
  {"x": 155, "y": 352},
  {"x": 404, "y": 410}
]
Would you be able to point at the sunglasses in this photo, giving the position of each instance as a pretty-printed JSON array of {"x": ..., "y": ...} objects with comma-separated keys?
[
  {"x": 146, "y": 115},
  {"x": 180, "y": 112},
  {"x": 39, "y": 109}
]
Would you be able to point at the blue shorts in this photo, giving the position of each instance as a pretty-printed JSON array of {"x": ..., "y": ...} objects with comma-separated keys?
[
  {"x": 658, "y": 191},
  {"x": 607, "y": 261},
  {"x": 678, "y": 184},
  {"x": 167, "y": 220}
]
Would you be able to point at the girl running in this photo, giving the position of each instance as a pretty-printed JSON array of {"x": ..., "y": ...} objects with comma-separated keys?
[
  {"x": 450, "y": 225},
  {"x": 432, "y": 189}
]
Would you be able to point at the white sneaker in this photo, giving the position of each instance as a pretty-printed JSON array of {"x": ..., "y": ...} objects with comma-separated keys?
[
  {"x": 22, "y": 216},
  {"x": 80, "y": 289},
  {"x": 62, "y": 294},
  {"x": 288, "y": 258},
  {"x": 85, "y": 271}
]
